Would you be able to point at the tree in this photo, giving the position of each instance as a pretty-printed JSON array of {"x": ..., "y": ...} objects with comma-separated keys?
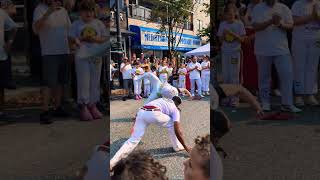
[
  {"x": 172, "y": 16},
  {"x": 206, "y": 32}
]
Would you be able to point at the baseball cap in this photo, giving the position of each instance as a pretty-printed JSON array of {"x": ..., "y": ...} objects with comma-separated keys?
[{"x": 5, "y": 3}]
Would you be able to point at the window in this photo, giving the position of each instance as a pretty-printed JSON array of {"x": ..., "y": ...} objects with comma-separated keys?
[{"x": 199, "y": 24}]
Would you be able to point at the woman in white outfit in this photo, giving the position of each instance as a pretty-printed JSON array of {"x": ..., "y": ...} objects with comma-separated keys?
[
  {"x": 205, "y": 75},
  {"x": 306, "y": 49}
]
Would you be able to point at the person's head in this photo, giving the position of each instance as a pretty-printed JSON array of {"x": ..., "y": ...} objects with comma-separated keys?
[
  {"x": 147, "y": 69},
  {"x": 182, "y": 65},
  {"x": 220, "y": 126},
  {"x": 9, "y": 7},
  {"x": 87, "y": 11},
  {"x": 164, "y": 61},
  {"x": 177, "y": 100},
  {"x": 55, "y": 3},
  {"x": 194, "y": 59},
  {"x": 230, "y": 12},
  {"x": 69, "y": 4},
  {"x": 197, "y": 167},
  {"x": 170, "y": 64},
  {"x": 139, "y": 166},
  {"x": 153, "y": 68},
  {"x": 125, "y": 60}
]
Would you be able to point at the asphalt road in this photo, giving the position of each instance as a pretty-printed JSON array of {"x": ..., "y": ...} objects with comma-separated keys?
[
  {"x": 273, "y": 150},
  {"x": 28, "y": 149},
  {"x": 195, "y": 120}
]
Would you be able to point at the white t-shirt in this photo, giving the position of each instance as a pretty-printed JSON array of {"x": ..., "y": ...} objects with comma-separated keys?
[
  {"x": 54, "y": 35},
  {"x": 272, "y": 41},
  {"x": 81, "y": 29},
  {"x": 182, "y": 70},
  {"x": 163, "y": 68},
  {"x": 205, "y": 64},
  {"x": 126, "y": 73},
  {"x": 111, "y": 70},
  {"x": 248, "y": 15},
  {"x": 230, "y": 44},
  {"x": 137, "y": 71},
  {"x": 307, "y": 31},
  {"x": 194, "y": 74},
  {"x": 167, "y": 107},
  {"x": 170, "y": 70},
  {"x": 6, "y": 23}
]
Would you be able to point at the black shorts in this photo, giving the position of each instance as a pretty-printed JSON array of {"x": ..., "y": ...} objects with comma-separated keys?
[{"x": 5, "y": 73}]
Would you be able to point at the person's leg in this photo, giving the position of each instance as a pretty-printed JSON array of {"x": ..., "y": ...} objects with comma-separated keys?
[
  {"x": 203, "y": 82},
  {"x": 225, "y": 60},
  {"x": 284, "y": 67},
  {"x": 264, "y": 69},
  {"x": 206, "y": 82},
  {"x": 95, "y": 75},
  {"x": 192, "y": 82},
  {"x": 138, "y": 131},
  {"x": 199, "y": 85},
  {"x": 126, "y": 87},
  {"x": 311, "y": 68},
  {"x": 136, "y": 88},
  {"x": 299, "y": 57}
]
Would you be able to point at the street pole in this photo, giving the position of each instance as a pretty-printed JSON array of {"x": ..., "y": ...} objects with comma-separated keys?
[{"x": 119, "y": 45}]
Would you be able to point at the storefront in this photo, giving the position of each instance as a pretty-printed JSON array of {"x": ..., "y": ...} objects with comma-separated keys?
[{"x": 152, "y": 43}]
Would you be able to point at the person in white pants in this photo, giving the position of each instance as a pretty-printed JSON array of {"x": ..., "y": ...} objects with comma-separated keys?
[
  {"x": 163, "y": 71},
  {"x": 305, "y": 50},
  {"x": 146, "y": 84},
  {"x": 194, "y": 68},
  {"x": 205, "y": 75},
  {"x": 162, "y": 112},
  {"x": 137, "y": 71},
  {"x": 271, "y": 20},
  {"x": 182, "y": 76}
]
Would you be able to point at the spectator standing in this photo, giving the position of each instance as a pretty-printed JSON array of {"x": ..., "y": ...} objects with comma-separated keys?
[
  {"x": 306, "y": 50},
  {"x": 137, "y": 71},
  {"x": 194, "y": 69},
  {"x": 51, "y": 22},
  {"x": 182, "y": 75},
  {"x": 205, "y": 75},
  {"x": 125, "y": 69},
  {"x": 163, "y": 71},
  {"x": 271, "y": 20}
]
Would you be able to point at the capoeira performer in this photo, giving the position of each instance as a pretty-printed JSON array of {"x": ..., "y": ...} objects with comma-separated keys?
[
  {"x": 162, "y": 112},
  {"x": 160, "y": 89}
]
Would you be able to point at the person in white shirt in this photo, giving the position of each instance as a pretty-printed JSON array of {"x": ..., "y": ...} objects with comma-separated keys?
[
  {"x": 112, "y": 70},
  {"x": 205, "y": 75},
  {"x": 194, "y": 69},
  {"x": 146, "y": 84},
  {"x": 51, "y": 23},
  {"x": 162, "y": 112},
  {"x": 182, "y": 75},
  {"x": 126, "y": 69},
  {"x": 137, "y": 71},
  {"x": 271, "y": 20},
  {"x": 163, "y": 71},
  {"x": 248, "y": 15},
  {"x": 306, "y": 49}
]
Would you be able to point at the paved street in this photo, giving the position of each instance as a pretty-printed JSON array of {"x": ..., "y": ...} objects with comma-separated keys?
[
  {"x": 273, "y": 150},
  {"x": 195, "y": 121},
  {"x": 29, "y": 149}
]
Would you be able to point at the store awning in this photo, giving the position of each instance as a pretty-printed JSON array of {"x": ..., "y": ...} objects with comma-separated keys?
[{"x": 123, "y": 31}]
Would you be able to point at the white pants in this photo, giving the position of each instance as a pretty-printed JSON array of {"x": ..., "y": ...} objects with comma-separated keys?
[
  {"x": 182, "y": 83},
  {"x": 205, "y": 78},
  {"x": 305, "y": 55},
  {"x": 137, "y": 87},
  {"x": 147, "y": 89},
  {"x": 284, "y": 68},
  {"x": 231, "y": 67},
  {"x": 193, "y": 86},
  {"x": 143, "y": 120},
  {"x": 88, "y": 73}
]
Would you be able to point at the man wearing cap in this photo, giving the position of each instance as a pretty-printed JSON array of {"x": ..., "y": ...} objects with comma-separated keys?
[{"x": 162, "y": 112}]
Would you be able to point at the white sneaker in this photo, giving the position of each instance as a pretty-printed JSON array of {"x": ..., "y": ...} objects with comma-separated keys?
[
  {"x": 201, "y": 96},
  {"x": 266, "y": 107},
  {"x": 311, "y": 100},
  {"x": 192, "y": 95},
  {"x": 299, "y": 101},
  {"x": 208, "y": 93},
  {"x": 291, "y": 108}
]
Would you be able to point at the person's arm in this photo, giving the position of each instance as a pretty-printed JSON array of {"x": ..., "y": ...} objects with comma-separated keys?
[
  {"x": 178, "y": 132},
  {"x": 186, "y": 92},
  {"x": 262, "y": 26},
  {"x": 12, "y": 27},
  {"x": 243, "y": 93}
]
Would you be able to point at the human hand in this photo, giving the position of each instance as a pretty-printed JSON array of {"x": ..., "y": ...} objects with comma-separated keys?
[{"x": 276, "y": 19}]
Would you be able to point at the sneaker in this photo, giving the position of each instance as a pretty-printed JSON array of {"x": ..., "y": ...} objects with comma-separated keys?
[
  {"x": 96, "y": 114},
  {"x": 299, "y": 101},
  {"x": 291, "y": 108},
  {"x": 192, "y": 95},
  {"x": 60, "y": 112},
  {"x": 312, "y": 101},
  {"x": 208, "y": 93},
  {"x": 266, "y": 107},
  {"x": 276, "y": 92},
  {"x": 201, "y": 96},
  {"x": 85, "y": 114},
  {"x": 45, "y": 118}
]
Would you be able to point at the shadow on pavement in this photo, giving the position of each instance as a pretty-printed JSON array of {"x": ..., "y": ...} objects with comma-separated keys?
[
  {"x": 160, "y": 153},
  {"x": 122, "y": 120}
]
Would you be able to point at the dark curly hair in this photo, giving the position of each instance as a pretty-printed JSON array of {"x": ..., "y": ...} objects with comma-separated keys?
[
  {"x": 139, "y": 165},
  {"x": 203, "y": 147}
]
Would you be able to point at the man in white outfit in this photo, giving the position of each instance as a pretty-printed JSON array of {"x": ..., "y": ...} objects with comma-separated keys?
[
  {"x": 162, "y": 112},
  {"x": 194, "y": 69},
  {"x": 271, "y": 20},
  {"x": 306, "y": 49}
]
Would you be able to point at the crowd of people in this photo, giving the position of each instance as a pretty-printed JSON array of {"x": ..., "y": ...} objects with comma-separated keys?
[
  {"x": 66, "y": 29},
  {"x": 192, "y": 73},
  {"x": 261, "y": 35}
]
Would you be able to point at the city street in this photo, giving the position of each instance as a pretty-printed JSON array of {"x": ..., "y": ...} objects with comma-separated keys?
[
  {"x": 29, "y": 149},
  {"x": 195, "y": 120},
  {"x": 272, "y": 150}
]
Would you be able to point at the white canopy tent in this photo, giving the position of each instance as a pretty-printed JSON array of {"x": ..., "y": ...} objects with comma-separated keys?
[{"x": 200, "y": 51}]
